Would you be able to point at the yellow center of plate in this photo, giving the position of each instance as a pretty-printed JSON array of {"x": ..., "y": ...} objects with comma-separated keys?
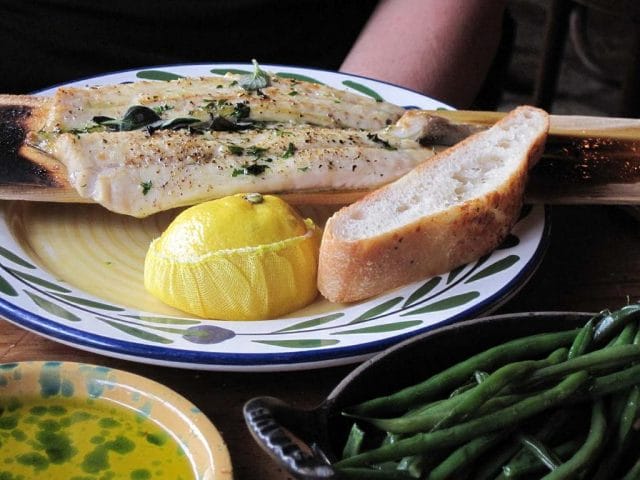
[{"x": 102, "y": 253}]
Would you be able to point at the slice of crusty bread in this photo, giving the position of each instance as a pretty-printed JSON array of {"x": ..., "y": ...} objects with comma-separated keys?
[{"x": 448, "y": 211}]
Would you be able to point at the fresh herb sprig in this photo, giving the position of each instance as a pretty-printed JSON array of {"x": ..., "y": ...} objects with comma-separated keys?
[
  {"x": 138, "y": 117},
  {"x": 255, "y": 81}
]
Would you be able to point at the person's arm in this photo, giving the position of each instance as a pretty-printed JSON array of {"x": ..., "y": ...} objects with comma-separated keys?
[{"x": 442, "y": 48}]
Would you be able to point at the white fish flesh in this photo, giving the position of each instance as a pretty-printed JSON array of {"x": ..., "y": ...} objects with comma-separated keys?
[
  {"x": 139, "y": 173},
  {"x": 283, "y": 100}
]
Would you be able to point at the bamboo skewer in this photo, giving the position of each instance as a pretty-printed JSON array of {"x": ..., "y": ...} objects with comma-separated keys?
[{"x": 587, "y": 160}]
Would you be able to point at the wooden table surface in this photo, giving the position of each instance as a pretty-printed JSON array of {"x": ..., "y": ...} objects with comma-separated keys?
[{"x": 593, "y": 262}]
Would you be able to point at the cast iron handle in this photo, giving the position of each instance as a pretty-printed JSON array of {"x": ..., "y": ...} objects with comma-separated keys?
[{"x": 279, "y": 429}]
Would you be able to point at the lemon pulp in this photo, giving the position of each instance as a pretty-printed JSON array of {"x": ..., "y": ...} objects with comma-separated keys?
[{"x": 242, "y": 257}]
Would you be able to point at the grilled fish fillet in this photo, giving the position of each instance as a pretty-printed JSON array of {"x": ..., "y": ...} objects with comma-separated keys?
[
  {"x": 284, "y": 100},
  {"x": 138, "y": 173},
  {"x": 286, "y": 136}
]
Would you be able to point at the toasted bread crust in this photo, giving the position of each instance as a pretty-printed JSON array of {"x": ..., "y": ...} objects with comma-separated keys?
[{"x": 352, "y": 270}]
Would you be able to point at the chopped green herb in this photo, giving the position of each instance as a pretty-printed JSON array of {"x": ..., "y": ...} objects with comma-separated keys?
[
  {"x": 293, "y": 93},
  {"x": 146, "y": 186},
  {"x": 235, "y": 149},
  {"x": 256, "y": 80},
  {"x": 241, "y": 110},
  {"x": 256, "y": 151},
  {"x": 226, "y": 109},
  {"x": 162, "y": 108},
  {"x": 253, "y": 169},
  {"x": 304, "y": 169},
  {"x": 291, "y": 149}
]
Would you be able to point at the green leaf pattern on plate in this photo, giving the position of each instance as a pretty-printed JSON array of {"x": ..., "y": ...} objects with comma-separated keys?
[
  {"x": 316, "y": 322},
  {"x": 494, "y": 268},
  {"x": 39, "y": 281},
  {"x": 141, "y": 326},
  {"x": 158, "y": 75},
  {"x": 224, "y": 71},
  {"x": 446, "y": 303},
  {"x": 53, "y": 308},
  {"x": 377, "y": 310},
  {"x": 385, "y": 327},
  {"x": 302, "y": 343},
  {"x": 137, "y": 332},
  {"x": 297, "y": 76},
  {"x": 15, "y": 258},
  {"x": 165, "y": 320},
  {"x": 6, "y": 288},
  {"x": 89, "y": 303},
  {"x": 424, "y": 290},
  {"x": 363, "y": 89}
]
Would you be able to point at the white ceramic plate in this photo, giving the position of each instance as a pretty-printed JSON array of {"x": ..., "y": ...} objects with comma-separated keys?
[{"x": 85, "y": 306}]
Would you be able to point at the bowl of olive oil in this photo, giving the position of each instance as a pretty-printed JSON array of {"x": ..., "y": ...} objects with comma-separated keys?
[{"x": 72, "y": 420}]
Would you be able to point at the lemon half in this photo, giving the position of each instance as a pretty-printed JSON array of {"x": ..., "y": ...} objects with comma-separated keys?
[{"x": 242, "y": 257}]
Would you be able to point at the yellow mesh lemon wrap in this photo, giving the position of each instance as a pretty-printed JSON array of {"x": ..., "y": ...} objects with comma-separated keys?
[{"x": 249, "y": 283}]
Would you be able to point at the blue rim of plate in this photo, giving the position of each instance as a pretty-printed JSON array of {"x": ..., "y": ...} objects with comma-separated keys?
[{"x": 247, "y": 361}]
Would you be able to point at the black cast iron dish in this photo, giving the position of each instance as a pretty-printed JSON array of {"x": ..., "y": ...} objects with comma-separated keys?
[{"x": 306, "y": 442}]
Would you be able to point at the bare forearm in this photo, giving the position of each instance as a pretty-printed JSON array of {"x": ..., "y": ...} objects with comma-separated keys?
[{"x": 442, "y": 48}]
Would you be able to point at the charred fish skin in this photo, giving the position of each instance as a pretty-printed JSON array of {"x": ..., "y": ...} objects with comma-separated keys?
[
  {"x": 283, "y": 100},
  {"x": 138, "y": 173}
]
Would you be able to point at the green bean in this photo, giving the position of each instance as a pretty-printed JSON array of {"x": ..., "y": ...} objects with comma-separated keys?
[
  {"x": 497, "y": 381},
  {"x": 587, "y": 452},
  {"x": 460, "y": 406},
  {"x": 354, "y": 441},
  {"x": 528, "y": 464},
  {"x": 633, "y": 473},
  {"x": 610, "y": 323},
  {"x": 432, "y": 414},
  {"x": 540, "y": 451},
  {"x": 464, "y": 455},
  {"x": 627, "y": 335},
  {"x": 455, "y": 435},
  {"x": 591, "y": 362},
  {"x": 629, "y": 414},
  {"x": 414, "y": 465},
  {"x": 491, "y": 466},
  {"x": 461, "y": 389},
  {"x": 480, "y": 376},
  {"x": 623, "y": 412},
  {"x": 556, "y": 421},
  {"x": 372, "y": 474},
  {"x": 448, "y": 379},
  {"x": 624, "y": 422},
  {"x": 583, "y": 340},
  {"x": 613, "y": 382}
]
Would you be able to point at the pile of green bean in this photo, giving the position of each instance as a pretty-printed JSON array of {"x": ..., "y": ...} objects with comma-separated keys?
[{"x": 554, "y": 405}]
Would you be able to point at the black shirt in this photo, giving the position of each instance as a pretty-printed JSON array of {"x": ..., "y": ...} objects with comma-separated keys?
[{"x": 46, "y": 42}]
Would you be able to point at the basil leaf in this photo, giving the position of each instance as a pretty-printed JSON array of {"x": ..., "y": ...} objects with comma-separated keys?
[
  {"x": 172, "y": 124},
  {"x": 221, "y": 124},
  {"x": 256, "y": 80},
  {"x": 137, "y": 117},
  {"x": 107, "y": 122},
  {"x": 241, "y": 110}
]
